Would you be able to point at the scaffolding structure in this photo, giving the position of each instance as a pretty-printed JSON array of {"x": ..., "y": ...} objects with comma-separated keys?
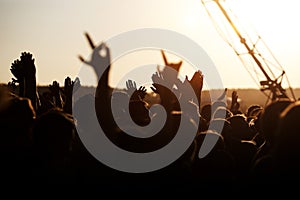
[{"x": 255, "y": 55}]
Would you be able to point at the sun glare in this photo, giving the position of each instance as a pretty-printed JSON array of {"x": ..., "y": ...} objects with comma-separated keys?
[
  {"x": 268, "y": 18},
  {"x": 190, "y": 20}
]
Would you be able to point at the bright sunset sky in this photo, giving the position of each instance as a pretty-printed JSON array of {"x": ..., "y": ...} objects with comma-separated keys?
[{"x": 53, "y": 31}]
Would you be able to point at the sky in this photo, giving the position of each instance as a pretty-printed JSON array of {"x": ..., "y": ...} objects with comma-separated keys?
[{"x": 53, "y": 31}]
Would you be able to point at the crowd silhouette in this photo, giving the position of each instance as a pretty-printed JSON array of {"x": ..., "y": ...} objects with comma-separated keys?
[{"x": 39, "y": 139}]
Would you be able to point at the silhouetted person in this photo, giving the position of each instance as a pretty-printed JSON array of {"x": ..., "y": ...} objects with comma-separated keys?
[
  {"x": 52, "y": 139},
  {"x": 24, "y": 70},
  {"x": 17, "y": 119},
  {"x": 286, "y": 154}
]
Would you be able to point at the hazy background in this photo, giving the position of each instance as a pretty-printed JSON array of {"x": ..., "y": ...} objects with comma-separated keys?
[{"x": 52, "y": 30}]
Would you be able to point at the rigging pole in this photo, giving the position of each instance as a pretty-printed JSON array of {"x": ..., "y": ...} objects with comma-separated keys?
[{"x": 269, "y": 84}]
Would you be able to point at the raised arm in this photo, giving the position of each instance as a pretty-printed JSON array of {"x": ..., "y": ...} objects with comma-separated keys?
[
  {"x": 100, "y": 60},
  {"x": 55, "y": 90},
  {"x": 70, "y": 87},
  {"x": 17, "y": 70},
  {"x": 235, "y": 105},
  {"x": 136, "y": 94}
]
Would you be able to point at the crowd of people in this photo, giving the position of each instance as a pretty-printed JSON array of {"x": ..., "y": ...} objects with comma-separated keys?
[{"x": 40, "y": 142}]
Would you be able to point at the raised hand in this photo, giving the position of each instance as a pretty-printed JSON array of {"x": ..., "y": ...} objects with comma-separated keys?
[
  {"x": 164, "y": 89},
  {"x": 76, "y": 84},
  {"x": 141, "y": 92},
  {"x": 183, "y": 89},
  {"x": 100, "y": 59},
  {"x": 158, "y": 81},
  {"x": 197, "y": 84},
  {"x": 175, "y": 66},
  {"x": 70, "y": 87},
  {"x": 235, "y": 105},
  {"x": 170, "y": 71},
  {"x": 136, "y": 94},
  {"x": 17, "y": 70},
  {"x": 55, "y": 90},
  {"x": 24, "y": 70},
  {"x": 28, "y": 63},
  {"x": 157, "y": 77},
  {"x": 131, "y": 87},
  {"x": 163, "y": 78},
  {"x": 30, "y": 79}
]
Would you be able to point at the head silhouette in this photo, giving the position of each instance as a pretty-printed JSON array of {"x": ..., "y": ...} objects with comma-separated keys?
[
  {"x": 53, "y": 133},
  {"x": 286, "y": 152},
  {"x": 240, "y": 128},
  {"x": 270, "y": 117},
  {"x": 17, "y": 117}
]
